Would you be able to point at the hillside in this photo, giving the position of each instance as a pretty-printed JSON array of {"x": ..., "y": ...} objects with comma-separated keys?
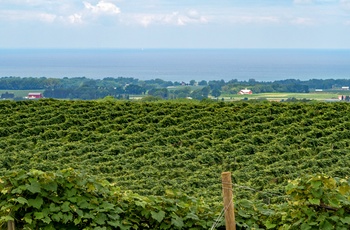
[{"x": 151, "y": 147}]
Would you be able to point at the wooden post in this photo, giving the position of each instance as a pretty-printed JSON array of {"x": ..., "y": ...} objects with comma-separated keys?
[
  {"x": 228, "y": 201},
  {"x": 10, "y": 225}
]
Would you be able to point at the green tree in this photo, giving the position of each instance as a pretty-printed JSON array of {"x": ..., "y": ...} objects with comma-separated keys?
[
  {"x": 134, "y": 89},
  {"x": 197, "y": 94},
  {"x": 163, "y": 93},
  {"x": 205, "y": 91},
  {"x": 216, "y": 93},
  {"x": 203, "y": 82}
]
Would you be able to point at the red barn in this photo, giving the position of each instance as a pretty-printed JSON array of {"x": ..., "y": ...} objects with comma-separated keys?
[
  {"x": 35, "y": 95},
  {"x": 245, "y": 91}
]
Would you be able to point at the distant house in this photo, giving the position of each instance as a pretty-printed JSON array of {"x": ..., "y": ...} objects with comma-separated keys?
[
  {"x": 7, "y": 95},
  {"x": 245, "y": 91},
  {"x": 184, "y": 83},
  {"x": 345, "y": 88},
  {"x": 35, "y": 95},
  {"x": 343, "y": 98}
]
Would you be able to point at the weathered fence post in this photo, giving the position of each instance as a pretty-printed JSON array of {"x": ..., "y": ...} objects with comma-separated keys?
[
  {"x": 10, "y": 225},
  {"x": 228, "y": 201}
]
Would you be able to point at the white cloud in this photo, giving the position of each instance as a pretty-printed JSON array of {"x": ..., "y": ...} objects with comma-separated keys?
[
  {"x": 247, "y": 19},
  {"x": 48, "y": 11},
  {"x": 303, "y": 21},
  {"x": 161, "y": 12},
  {"x": 45, "y": 17},
  {"x": 51, "y": 11},
  {"x": 102, "y": 7},
  {"x": 305, "y": 2},
  {"x": 75, "y": 18},
  {"x": 175, "y": 18},
  {"x": 302, "y": 1},
  {"x": 25, "y": 16}
]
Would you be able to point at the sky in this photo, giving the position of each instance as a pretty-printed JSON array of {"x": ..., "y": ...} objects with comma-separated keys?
[{"x": 139, "y": 24}]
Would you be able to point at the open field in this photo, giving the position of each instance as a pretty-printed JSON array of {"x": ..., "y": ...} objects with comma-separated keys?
[
  {"x": 322, "y": 96},
  {"x": 179, "y": 87},
  {"x": 319, "y": 96},
  {"x": 21, "y": 93}
]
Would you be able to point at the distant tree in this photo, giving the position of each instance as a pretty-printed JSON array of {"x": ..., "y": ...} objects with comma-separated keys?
[
  {"x": 215, "y": 93},
  {"x": 88, "y": 84},
  {"x": 203, "y": 82},
  {"x": 252, "y": 81},
  {"x": 216, "y": 84},
  {"x": 232, "y": 81},
  {"x": 134, "y": 89},
  {"x": 182, "y": 92},
  {"x": 162, "y": 93},
  {"x": 118, "y": 90},
  {"x": 51, "y": 83},
  {"x": 205, "y": 91},
  {"x": 197, "y": 94},
  {"x": 158, "y": 83},
  {"x": 192, "y": 82}
]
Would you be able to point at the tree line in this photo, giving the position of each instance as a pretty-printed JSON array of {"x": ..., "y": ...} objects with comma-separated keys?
[{"x": 122, "y": 87}]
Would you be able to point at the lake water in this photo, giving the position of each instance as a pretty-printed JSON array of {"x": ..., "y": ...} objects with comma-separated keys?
[{"x": 177, "y": 64}]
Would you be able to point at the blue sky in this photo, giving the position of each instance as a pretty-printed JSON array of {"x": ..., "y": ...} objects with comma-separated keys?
[{"x": 175, "y": 24}]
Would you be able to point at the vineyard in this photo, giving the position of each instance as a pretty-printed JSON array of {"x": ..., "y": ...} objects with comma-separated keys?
[{"x": 161, "y": 148}]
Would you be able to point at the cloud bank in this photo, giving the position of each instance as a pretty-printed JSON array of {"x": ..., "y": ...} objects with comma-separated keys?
[
  {"x": 102, "y": 7},
  {"x": 175, "y": 18}
]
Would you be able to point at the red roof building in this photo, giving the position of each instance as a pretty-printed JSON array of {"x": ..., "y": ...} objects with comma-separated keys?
[
  {"x": 245, "y": 91},
  {"x": 35, "y": 95}
]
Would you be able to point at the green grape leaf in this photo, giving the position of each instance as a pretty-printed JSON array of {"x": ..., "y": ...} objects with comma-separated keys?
[
  {"x": 326, "y": 225},
  {"x": 100, "y": 218},
  {"x": 38, "y": 215},
  {"x": 158, "y": 216},
  {"x": 21, "y": 200},
  {"x": 177, "y": 221},
  {"x": 54, "y": 208},
  {"x": 36, "y": 203},
  {"x": 51, "y": 187},
  {"x": 34, "y": 187},
  {"x": 269, "y": 225},
  {"x": 315, "y": 201},
  {"x": 345, "y": 220},
  {"x": 305, "y": 226}
]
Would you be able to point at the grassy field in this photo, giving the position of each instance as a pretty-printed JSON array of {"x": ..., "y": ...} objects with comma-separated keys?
[
  {"x": 21, "y": 93},
  {"x": 283, "y": 96},
  {"x": 179, "y": 87},
  {"x": 319, "y": 96}
]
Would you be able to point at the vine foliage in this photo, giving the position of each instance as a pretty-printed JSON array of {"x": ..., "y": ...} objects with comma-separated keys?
[{"x": 70, "y": 200}]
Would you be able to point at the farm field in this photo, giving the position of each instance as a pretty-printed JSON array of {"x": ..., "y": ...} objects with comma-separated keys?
[
  {"x": 181, "y": 145},
  {"x": 152, "y": 148},
  {"x": 319, "y": 96},
  {"x": 21, "y": 93}
]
